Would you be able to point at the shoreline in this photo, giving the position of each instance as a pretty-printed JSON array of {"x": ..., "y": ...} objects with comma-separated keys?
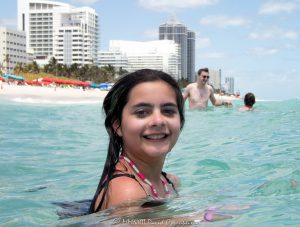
[
  {"x": 13, "y": 92},
  {"x": 29, "y": 93},
  {"x": 226, "y": 97}
]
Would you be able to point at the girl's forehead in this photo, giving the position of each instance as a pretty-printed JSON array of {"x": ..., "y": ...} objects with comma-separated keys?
[
  {"x": 153, "y": 86},
  {"x": 152, "y": 90}
]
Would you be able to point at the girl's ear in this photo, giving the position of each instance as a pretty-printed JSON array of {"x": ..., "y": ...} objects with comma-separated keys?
[{"x": 117, "y": 128}]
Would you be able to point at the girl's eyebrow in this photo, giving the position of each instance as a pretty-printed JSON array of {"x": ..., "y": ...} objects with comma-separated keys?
[
  {"x": 144, "y": 104},
  {"x": 169, "y": 104}
]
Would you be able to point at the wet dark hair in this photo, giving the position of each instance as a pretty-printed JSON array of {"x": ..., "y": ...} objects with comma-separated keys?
[
  {"x": 113, "y": 106},
  {"x": 249, "y": 99},
  {"x": 202, "y": 70}
]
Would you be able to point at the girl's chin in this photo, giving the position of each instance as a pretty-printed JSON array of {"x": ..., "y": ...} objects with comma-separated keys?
[{"x": 158, "y": 153}]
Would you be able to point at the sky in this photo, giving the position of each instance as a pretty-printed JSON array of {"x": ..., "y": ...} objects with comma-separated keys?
[{"x": 257, "y": 42}]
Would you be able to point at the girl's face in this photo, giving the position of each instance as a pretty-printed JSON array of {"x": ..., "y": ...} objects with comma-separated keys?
[{"x": 150, "y": 120}]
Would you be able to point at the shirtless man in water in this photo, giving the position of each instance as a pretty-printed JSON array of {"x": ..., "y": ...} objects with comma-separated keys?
[{"x": 199, "y": 92}]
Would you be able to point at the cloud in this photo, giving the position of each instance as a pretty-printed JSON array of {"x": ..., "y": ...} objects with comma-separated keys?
[
  {"x": 171, "y": 5},
  {"x": 215, "y": 55},
  {"x": 274, "y": 33},
  {"x": 279, "y": 7},
  {"x": 223, "y": 21},
  {"x": 289, "y": 46},
  {"x": 202, "y": 42},
  {"x": 262, "y": 51},
  {"x": 8, "y": 22}
]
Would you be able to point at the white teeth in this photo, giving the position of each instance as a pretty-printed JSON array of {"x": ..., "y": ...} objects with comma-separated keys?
[{"x": 155, "y": 137}]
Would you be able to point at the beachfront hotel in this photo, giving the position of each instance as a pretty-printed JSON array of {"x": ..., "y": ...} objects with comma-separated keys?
[
  {"x": 159, "y": 54},
  {"x": 58, "y": 29},
  {"x": 12, "y": 49},
  {"x": 174, "y": 30},
  {"x": 116, "y": 59}
]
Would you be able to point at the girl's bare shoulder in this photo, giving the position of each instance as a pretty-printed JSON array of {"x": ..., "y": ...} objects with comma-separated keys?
[{"x": 124, "y": 189}]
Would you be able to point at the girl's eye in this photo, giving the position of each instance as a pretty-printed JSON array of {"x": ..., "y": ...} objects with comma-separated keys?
[
  {"x": 141, "y": 113},
  {"x": 169, "y": 111}
]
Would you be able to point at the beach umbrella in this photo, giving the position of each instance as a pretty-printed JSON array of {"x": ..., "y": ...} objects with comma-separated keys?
[
  {"x": 105, "y": 86},
  {"x": 71, "y": 82},
  {"x": 13, "y": 77}
]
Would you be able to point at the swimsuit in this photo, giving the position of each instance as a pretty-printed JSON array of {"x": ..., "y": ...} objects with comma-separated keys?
[{"x": 133, "y": 177}]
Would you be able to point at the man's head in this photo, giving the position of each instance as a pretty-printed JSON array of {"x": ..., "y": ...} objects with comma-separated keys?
[
  {"x": 203, "y": 75},
  {"x": 249, "y": 99}
]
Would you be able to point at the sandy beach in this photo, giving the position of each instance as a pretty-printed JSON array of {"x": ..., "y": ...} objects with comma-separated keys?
[{"x": 27, "y": 92}]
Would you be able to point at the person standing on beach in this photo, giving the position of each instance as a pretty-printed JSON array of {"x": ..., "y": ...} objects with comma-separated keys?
[
  {"x": 199, "y": 92},
  {"x": 249, "y": 101}
]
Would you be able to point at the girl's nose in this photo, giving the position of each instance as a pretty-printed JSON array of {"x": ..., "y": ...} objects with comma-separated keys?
[{"x": 157, "y": 119}]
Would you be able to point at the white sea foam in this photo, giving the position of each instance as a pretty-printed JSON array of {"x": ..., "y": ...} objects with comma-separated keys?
[
  {"x": 268, "y": 100},
  {"x": 54, "y": 101}
]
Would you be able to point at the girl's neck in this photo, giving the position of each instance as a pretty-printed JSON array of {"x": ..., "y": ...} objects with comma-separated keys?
[
  {"x": 158, "y": 188},
  {"x": 151, "y": 168}
]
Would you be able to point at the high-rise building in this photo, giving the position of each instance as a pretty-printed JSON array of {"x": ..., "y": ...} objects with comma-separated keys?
[
  {"x": 215, "y": 78},
  {"x": 13, "y": 49},
  {"x": 229, "y": 85},
  {"x": 191, "y": 56},
  {"x": 160, "y": 55},
  {"x": 113, "y": 58},
  {"x": 60, "y": 30},
  {"x": 173, "y": 30}
]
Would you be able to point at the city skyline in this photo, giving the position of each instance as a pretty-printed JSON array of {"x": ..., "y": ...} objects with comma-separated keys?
[{"x": 256, "y": 43}]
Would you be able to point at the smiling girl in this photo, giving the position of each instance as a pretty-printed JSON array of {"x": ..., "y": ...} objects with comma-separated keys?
[{"x": 144, "y": 115}]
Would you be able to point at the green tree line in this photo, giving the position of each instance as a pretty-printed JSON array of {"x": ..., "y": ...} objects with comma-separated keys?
[{"x": 74, "y": 71}]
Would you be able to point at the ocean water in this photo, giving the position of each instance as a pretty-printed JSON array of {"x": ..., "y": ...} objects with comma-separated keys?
[{"x": 245, "y": 165}]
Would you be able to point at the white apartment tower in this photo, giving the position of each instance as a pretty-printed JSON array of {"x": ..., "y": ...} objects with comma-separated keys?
[
  {"x": 12, "y": 49},
  {"x": 116, "y": 59},
  {"x": 215, "y": 78},
  {"x": 160, "y": 55},
  {"x": 60, "y": 30}
]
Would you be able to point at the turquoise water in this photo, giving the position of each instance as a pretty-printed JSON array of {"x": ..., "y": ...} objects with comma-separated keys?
[{"x": 244, "y": 164}]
